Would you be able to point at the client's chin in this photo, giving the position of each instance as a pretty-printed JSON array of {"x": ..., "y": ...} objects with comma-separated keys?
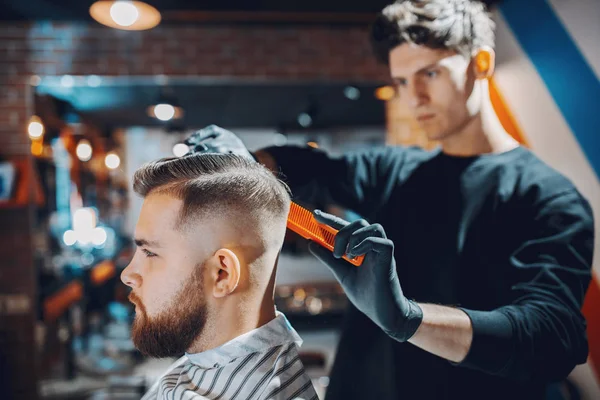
[{"x": 165, "y": 336}]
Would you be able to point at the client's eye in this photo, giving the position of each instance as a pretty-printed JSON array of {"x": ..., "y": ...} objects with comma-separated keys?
[{"x": 148, "y": 254}]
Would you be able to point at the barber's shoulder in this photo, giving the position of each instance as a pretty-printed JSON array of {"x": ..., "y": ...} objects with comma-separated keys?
[{"x": 541, "y": 183}]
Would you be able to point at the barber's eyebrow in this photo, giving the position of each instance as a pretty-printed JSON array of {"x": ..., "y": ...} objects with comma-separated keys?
[
  {"x": 420, "y": 71},
  {"x": 146, "y": 243},
  {"x": 428, "y": 67}
]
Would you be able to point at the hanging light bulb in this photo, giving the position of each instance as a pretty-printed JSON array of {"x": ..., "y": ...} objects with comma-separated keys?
[
  {"x": 84, "y": 150},
  {"x": 164, "y": 112},
  {"x": 112, "y": 161},
  {"x": 126, "y": 15},
  {"x": 35, "y": 127},
  {"x": 167, "y": 107}
]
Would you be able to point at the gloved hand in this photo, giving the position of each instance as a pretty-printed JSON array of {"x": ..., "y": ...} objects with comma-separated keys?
[
  {"x": 214, "y": 139},
  {"x": 373, "y": 287}
]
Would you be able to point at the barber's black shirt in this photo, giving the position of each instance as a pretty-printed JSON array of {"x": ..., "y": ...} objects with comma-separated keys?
[{"x": 502, "y": 236}]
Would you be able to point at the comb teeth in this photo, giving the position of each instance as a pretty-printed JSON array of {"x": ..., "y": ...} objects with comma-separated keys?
[
  {"x": 301, "y": 221},
  {"x": 307, "y": 226}
]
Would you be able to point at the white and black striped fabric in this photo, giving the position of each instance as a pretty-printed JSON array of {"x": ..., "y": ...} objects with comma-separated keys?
[{"x": 262, "y": 364}]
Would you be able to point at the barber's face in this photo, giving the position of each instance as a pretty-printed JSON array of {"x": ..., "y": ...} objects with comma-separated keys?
[
  {"x": 166, "y": 277},
  {"x": 435, "y": 86}
]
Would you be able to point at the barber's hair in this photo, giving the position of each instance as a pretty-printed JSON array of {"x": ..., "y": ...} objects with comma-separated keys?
[
  {"x": 460, "y": 25},
  {"x": 216, "y": 184}
]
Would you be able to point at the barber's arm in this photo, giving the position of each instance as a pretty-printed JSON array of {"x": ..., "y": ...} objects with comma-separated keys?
[
  {"x": 358, "y": 181},
  {"x": 540, "y": 335},
  {"x": 375, "y": 290}
]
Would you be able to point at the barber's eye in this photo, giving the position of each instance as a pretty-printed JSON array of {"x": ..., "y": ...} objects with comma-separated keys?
[
  {"x": 402, "y": 82},
  {"x": 148, "y": 254},
  {"x": 432, "y": 74}
]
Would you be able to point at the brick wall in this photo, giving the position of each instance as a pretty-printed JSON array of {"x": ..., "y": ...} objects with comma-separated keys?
[
  {"x": 17, "y": 358},
  {"x": 307, "y": 52},
  {"x": 283, "y": 52},
  {"x": 17, "y": 281}
]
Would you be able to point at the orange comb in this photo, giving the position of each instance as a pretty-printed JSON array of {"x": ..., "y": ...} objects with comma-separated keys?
[{"x": 301, "y": 221}]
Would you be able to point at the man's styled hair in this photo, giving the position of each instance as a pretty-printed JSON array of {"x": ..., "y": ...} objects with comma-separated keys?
[
  {"x": 216, "y": 185},
  {"x": 460, "y": 25}
]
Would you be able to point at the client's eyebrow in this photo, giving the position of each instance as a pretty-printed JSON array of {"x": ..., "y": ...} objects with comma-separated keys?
[{"x": 145, "y": 243}]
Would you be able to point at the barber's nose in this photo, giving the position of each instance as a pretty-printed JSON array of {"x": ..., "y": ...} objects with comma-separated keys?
[
  {"x": 418, "y": 94},
  {"x": 130, "y": 277}
]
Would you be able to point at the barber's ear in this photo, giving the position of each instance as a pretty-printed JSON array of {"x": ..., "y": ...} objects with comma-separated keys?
[
  {"x": 484, "y": 62},
  {"x": 225, "y": 272}
]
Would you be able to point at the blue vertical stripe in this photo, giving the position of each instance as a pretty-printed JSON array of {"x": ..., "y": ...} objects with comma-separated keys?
[{"x": 562, "y": 67}]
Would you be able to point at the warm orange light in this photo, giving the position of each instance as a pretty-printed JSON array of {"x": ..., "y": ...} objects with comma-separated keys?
[
  {"x": 314, "y": 145},
  {"x": 110, "y": 13},
  {"x": 58, "y": 303},
  {"x": 385, "y": 93},
  {"x": 102, "y": 272},
  {"x": 37, "y": 148}
]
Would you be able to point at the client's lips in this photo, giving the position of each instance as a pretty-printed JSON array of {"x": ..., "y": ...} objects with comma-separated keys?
[
  {"x": 137, "y": 302},
  {"x": 425, "y": 117},
  {"x": 134, "y": 299}
]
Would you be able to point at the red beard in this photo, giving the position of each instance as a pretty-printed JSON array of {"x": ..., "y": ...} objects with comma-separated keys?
[{"x": 172, "y": 331}]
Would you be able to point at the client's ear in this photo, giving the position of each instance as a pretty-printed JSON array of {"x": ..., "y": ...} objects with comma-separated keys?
[{"x": 226, "y": 272}]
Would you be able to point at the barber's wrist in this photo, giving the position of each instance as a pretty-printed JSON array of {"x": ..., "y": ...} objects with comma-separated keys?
[{"x": 408, "y": 323}]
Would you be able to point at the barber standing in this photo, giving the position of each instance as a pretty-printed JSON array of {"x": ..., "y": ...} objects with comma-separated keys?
[{"x": 474, "y": 288}]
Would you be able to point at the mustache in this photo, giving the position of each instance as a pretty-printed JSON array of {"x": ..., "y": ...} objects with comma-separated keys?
[{"x": 135, "y": 299}]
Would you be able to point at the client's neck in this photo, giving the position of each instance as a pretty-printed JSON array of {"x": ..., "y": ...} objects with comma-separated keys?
[
  {"x": 238, "y": 316},
  {"x": 232, "y": 321}
]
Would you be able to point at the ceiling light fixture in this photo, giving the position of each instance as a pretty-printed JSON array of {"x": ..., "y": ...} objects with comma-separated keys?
[
  {"x": 125, "y": 15},
  {"x": 164, "y": 111},
  {"x": 167, "y": 107}
]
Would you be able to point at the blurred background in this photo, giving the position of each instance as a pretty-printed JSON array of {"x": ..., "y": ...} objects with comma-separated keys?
[{"x": 91, "y": 91}]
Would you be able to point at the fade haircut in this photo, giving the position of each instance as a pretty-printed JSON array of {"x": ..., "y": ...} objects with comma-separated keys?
[
  {"x": 218, "y": 185},
  {"x": 460, "y": 25}
]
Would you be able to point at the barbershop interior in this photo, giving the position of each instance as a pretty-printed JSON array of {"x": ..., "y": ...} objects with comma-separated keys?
[{"x": 93, "y": 91}]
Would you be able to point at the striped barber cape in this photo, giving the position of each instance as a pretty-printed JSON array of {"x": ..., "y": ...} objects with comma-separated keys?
[{"x": 262, "y": 364}]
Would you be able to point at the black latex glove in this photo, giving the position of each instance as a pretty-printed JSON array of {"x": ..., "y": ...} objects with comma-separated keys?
[
  {"x": 214, "y": 139},
  {"x": 373, "y": 287}
]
